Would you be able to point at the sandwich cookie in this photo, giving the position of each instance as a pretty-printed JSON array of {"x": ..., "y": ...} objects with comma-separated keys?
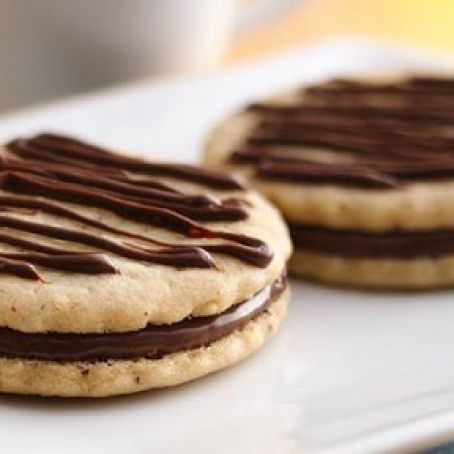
[
  {"x": 119, "y": 274},
  {"x": 363, "y": 172}
]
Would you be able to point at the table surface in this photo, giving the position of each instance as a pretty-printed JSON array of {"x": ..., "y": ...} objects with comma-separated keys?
[{"x": 349, "y": 372}]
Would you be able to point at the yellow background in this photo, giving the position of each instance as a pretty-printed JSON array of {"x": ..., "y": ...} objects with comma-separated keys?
[{"x": 428, "y": 24}]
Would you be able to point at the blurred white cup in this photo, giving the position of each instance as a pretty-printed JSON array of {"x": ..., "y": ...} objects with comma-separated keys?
[{"x": 55, "y": 47}]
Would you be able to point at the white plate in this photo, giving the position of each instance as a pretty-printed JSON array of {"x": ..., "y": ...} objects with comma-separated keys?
[{"x": 349, "y": 371}]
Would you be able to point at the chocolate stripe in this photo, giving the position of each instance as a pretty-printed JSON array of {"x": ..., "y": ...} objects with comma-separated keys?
[
  {"x": 18, "y": 268},
  {"x": 58, "y": 145},
  {"x": 54, "y": 168},
  {"x": 77, "y": 263},
  {"x": 313, "y": 172},
  {"x": 181, "y": 256},
  {"x": 395, "y": 131},
  {"x": 251, "y": 250}
]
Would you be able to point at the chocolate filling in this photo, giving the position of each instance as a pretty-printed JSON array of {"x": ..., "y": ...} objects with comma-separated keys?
[
  {"x": 356, "y": 244},
  {"x": 152, "y": 342}
]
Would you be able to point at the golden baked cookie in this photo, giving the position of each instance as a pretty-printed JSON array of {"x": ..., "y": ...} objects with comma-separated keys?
[
  {"x": 119, "y": 274},
  {"x": 363, "y": 172}
]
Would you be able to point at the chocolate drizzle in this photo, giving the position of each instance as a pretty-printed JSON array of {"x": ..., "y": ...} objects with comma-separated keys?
[
  {"x": 66, "y": 150},
  {"x": 152, "y": 342},
  {"x": 383, "y": 134},
  {"x": 38, "y": 174}
]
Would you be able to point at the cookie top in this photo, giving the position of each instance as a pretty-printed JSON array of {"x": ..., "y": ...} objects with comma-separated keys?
[
  {"x": 93, "y": 241},
  {"x": 372, "y": 154}
]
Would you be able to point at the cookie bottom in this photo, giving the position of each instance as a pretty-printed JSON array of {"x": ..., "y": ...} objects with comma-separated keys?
[
  {"x": 377, "y": 273},
  {"x": 114, "y": 377}
]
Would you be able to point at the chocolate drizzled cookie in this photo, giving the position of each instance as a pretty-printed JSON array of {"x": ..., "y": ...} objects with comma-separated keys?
[
  {"x": 120, "y": 274},
  {"x": 363, "y": 171}
]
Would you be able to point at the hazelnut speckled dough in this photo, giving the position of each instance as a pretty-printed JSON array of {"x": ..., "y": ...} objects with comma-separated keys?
[
  {"x": 363, "y": 172},
  {"x": 119, "y": 275}
]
